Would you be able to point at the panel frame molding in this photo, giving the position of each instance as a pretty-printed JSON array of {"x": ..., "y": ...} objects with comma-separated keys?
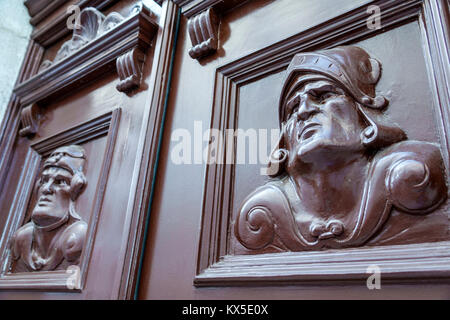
[
  {"x": 104, "y": 125},
  {"x": 414, "y": 262}
]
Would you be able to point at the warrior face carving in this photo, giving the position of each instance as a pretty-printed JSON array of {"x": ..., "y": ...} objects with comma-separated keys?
[
  {"x": 340, "y": 162},
  {"x": 54, "y": 237},
  {"x": 61, "y": 181},
  {"x": 323, "y": 119}
]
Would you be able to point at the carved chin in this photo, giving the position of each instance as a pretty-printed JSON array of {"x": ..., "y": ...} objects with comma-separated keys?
[
  {"x": 44, "y": 216},
  {"x": 310, "y": 147}
]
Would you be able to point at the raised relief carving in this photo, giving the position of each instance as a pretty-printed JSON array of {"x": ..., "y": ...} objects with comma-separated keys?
[
  {"x": 29, "y": 119},
  {"x": 129, "y": 68},
  {"x": 91, "y": 25},
  {"x": 341, "y": 165},
  {"x": 54, "y": 237},
  {"x": 203, "y": 31}
]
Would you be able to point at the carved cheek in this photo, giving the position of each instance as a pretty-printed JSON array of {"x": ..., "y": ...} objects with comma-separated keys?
[
  {"x": 63, "y": 193},
  {"x": 345, "y": 118}
]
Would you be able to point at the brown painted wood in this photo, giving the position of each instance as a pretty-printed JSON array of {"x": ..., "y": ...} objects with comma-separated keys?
[
  {"x": 191, "y": 248},
  {"x": 236, "y": 87},
  {"x": 119, "y": 133}
]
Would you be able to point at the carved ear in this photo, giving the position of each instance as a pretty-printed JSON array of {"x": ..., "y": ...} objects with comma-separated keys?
[
  {"x": 77, "y": 185},
  {"x": 278, "y": 156},
  {"x": 369, "y": 135},
  {"x": 376, "y": 70}
]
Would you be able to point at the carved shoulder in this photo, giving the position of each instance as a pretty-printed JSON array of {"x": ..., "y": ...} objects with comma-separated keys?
[
  {"x": 21, "y": 240},
  {"x": 255, "y": 227},
  {"x": 415, "y": 178},
  {"x": 73, "y": 240}
]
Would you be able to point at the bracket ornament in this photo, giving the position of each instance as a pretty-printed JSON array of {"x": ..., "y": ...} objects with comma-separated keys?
[
  {"x": 29, "y": 119},
  {"x": 203, "y": 31},
  {"x": 129, "y": 68}
]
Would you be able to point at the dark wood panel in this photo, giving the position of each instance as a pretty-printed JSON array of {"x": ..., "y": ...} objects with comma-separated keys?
[
  {"x": 252, "y": 52},
  {"x": 115, "y": 203}
]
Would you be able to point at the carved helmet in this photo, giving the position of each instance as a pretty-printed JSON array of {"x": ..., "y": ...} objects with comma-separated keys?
[
  {"x": 354, "y": 71},
  {"x": 71, "y": 158}
]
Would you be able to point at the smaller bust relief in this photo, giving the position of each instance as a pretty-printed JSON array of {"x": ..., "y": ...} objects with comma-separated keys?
[
  {"x": 341, "y": 165},
  {"x": 90, "y": 25},
  {"x": 54, "y": 237}
]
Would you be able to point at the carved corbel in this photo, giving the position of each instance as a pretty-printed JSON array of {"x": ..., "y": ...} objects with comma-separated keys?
[
  {"x": 129, "y": 68},
  {"x": 203, "y": 31},
  {"x": 29, "y": 119}
]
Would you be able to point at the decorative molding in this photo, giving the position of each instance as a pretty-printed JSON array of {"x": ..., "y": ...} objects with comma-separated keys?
[
  {"x": 10, "y": 125},
  {"x": 41, "y": 9},
  {"x": 435, "y": 26},
  {"x": 191, "y": 8},
  {"x": 105, "y": 125},
  {"x": 29, "y": 118},
  {"x": 427, "y": 262},
  {"x": 150, "y": 138},
  {"x": 215, "y": 265},
  {"x": 129, "y": 68},
  {"x": 203, "y": 31},
  {"x": 91, "y": 25},
  {"x": 57, "y": 28},
  {"x": 89, "y": 61}
]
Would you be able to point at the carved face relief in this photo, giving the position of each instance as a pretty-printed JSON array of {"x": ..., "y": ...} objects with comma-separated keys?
[
  {"x": 53, "y": 197},
  {"x": 342, "y": 165},
  {"x": 323, "y": 118},
  {"x": 54, "y": 237}
]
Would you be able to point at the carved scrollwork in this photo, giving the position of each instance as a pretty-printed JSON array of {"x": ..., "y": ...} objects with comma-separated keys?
[
  {"x": 90, "y": 25},
  {"x": 29, "y": 119},
  {"x": 203, "y": 31}
]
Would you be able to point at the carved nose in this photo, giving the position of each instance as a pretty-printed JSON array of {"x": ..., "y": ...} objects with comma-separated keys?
[
  {"x": 47, "y": 188},
  {"x": 307, "y": 108}
]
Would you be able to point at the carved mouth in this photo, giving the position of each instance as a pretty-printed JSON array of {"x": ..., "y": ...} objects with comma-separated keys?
[
  {"x": 308, "y": 131},
  {"x": 43, "y": 201}
]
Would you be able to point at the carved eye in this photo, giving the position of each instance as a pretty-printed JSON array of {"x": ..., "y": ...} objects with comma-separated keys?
[
  {"x": 43, "y": 180},
  {"x": 323, "y": 96},
  {"x": 293, "y": 104},
  {"x": 61, "y": 182}
]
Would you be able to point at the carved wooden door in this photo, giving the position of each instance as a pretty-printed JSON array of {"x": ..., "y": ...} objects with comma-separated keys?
[
  {"x": 78, "y": 148},
  {"x": 357, "y": 95}
]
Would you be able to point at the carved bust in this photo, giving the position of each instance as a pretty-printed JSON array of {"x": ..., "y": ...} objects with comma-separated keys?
[
  {"x": 341, "y": 166},
  {"x": 54, "y": 237}
]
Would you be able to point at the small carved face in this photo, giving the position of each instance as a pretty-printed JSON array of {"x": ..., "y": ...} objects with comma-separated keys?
[
  {"x": 322, "y": 117},
  {"x": 53, "y": 196}
]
